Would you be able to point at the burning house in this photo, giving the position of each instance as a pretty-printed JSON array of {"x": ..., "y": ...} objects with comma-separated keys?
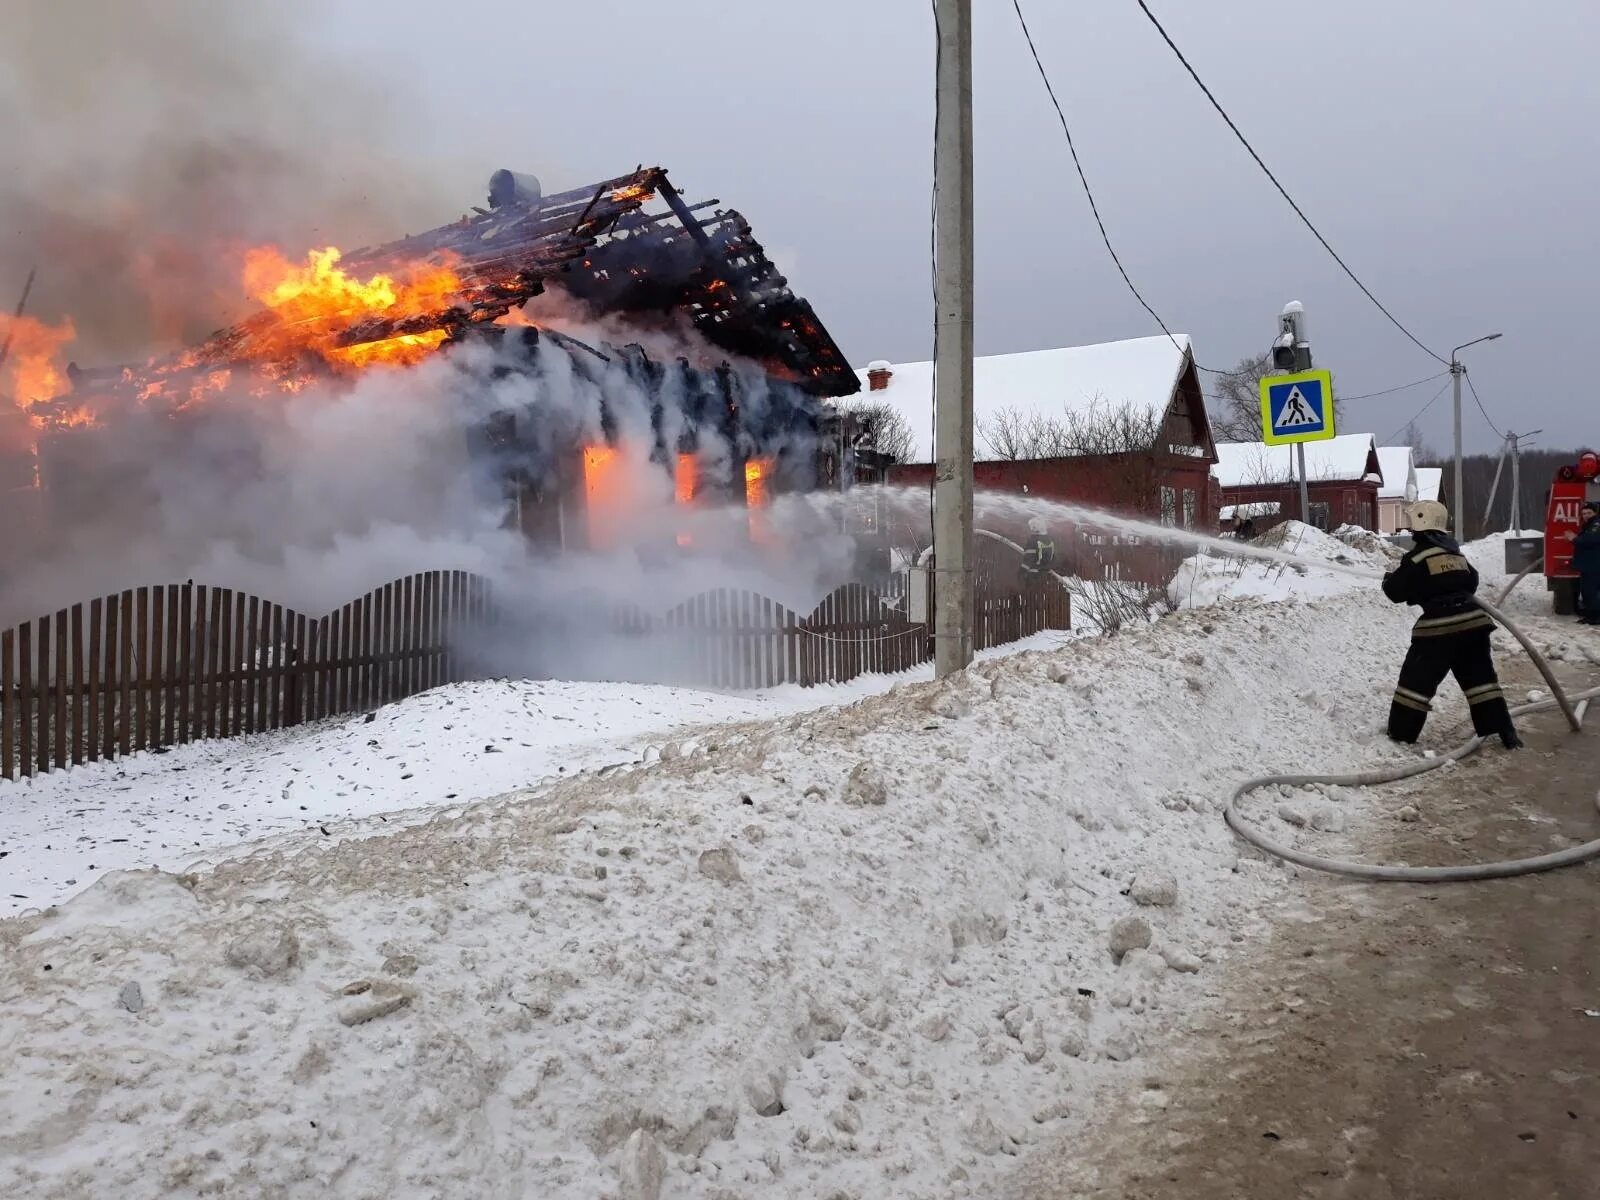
[{"x": 733, "y": 368}]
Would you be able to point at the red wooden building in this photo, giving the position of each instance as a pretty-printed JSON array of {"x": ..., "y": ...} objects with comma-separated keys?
[
  {"x": 1343, "y": 476},
  {"x": 1120, "y": 426}
]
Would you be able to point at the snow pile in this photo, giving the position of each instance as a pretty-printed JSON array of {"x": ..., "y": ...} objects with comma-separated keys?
[
  {"x": 1354, "y": 558},
  {"x": 864, "y": 952}
]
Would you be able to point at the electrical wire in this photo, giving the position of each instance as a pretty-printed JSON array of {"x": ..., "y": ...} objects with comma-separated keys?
[
  {"x": 1282, "y": 191},
  {"x": 1089, "y": 192},
  {"x": 1402, "y": 387},
  {"x": 1472, "y": 387},
  {"x": 1418, "y": 416}
]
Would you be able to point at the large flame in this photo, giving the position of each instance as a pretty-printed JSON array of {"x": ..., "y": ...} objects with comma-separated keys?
[
  {"x": 318, "y": 300},
  {"x": 33, "y": 372}
]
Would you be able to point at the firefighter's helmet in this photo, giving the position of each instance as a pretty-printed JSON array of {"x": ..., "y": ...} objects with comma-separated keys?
[
  {"x": 1037, "y": 525},
  {"x": 1427, "y": 516}
]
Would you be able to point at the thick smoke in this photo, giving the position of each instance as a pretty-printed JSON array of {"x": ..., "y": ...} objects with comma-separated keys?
[
  {"x": 313, "y": 498},
  {"x": 152, "y": 142}
]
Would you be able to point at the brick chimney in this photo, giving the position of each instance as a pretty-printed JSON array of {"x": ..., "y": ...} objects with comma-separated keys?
[{"x": 878, "y": 375}]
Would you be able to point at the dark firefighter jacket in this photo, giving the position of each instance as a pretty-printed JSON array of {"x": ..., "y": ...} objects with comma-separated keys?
[
  {"x": 1437, "y": 577},
  {"x": 1038, "y": 553},
  {"x": 1586, "y": 548}
]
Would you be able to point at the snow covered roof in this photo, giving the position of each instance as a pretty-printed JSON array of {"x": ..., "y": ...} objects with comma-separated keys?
[
  {"x": 1263, "y": 508},
  {"x": 1429, "y": 481},
  {"x": 1047, "y": 383},
  {"x": 1350, "y": 456},
  {"x": 1399, "y": 471}
]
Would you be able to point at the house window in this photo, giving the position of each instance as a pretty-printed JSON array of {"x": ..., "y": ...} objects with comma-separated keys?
[
  {"x": 1320, "y": 514},
  {"x": 1169, "y": 506},
  {"x": 1188, "y": 508}
]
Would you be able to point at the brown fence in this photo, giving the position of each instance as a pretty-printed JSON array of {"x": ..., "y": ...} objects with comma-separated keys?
[
  {"x": 741, "y": 639},
  {"x": 156, "y": 666}
]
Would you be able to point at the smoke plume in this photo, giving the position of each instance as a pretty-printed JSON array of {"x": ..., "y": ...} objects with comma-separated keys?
[{"x": 155, "y": 141}]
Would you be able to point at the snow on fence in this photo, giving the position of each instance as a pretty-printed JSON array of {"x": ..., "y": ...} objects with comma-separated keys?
[{"x": 156, "y": 666}]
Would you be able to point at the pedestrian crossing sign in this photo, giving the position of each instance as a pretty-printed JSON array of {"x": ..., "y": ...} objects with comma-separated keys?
[{"x": 1297, "y": 408}]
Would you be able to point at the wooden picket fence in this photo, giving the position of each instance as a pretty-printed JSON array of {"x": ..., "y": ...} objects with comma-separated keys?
[
  {"x": 740, "y": 639},
  {"x": 158, "y": 666}
]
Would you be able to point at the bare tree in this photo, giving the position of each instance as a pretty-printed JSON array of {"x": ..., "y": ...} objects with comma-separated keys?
[
  {"x": 1412, "y": 436},
  {"x": 1100, "y": 428},
  {"x": 1236, "y": 408},
  {"x": 886, "y": 425},
  {"x": 1012, "y": 434}
]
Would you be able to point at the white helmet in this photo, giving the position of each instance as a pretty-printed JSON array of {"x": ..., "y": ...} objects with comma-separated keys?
[
  {"x": 1427, "y": 516},
  {"x": 1037, "y": 525}
]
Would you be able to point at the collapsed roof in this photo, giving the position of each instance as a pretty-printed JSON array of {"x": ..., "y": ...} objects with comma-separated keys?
[{"x": 598, "y": 244}]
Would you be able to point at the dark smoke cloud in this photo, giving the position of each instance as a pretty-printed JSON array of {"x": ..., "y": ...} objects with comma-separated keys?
[{"x": 156, "y": 140}]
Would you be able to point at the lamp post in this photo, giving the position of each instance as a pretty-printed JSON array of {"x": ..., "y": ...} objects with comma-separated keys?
[{"x": 1456, "y": 372}]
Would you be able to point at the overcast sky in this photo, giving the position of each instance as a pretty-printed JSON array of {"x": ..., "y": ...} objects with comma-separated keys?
[{"x": 1446, "y": 147}]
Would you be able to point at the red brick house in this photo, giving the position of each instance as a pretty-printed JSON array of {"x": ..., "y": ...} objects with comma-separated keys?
[
  {"x": 1344, "y": 475},
  {"x": 1121, "y": 426}
]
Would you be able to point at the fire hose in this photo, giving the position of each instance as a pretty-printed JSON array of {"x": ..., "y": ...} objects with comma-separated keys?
[{"x": 1395, "y": 874}]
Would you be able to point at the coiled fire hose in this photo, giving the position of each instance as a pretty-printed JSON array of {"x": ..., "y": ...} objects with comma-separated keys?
[{"x": 1461, "y": 874}]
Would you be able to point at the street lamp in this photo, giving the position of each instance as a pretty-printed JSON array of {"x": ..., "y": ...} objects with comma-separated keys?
[{"x": 1456, "y": 372}]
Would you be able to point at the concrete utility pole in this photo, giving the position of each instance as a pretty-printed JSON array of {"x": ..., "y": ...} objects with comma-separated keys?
[
  {"x": 1458, "y": 500},
  {"x": 952, "y": 497},
  {"x": 1516, "y": 440}
]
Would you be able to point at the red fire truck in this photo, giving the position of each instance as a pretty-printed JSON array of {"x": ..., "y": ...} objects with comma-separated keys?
[{"x": 1573, "y": 485}]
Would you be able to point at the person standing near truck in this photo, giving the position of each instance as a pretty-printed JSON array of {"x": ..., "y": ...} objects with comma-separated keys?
[{"x": 1586, "y": 562}]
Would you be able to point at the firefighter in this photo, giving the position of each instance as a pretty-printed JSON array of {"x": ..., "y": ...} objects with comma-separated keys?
[
  {"x": 1451, "y": 635},
  {"x": 1038, "y": 552},
  {"x": 1586, "y": 562}
]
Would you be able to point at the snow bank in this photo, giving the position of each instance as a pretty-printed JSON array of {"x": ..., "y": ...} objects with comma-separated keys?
[
  {"x": 864, "y": 952},
  {"x": 1354, "y": 558}
]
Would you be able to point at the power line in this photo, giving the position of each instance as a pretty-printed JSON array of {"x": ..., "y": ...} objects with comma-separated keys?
[
  {"x": 1195, "y": 75},
  {"x": 1089, "y": 192},
  {"x": 1401, "y": 388},
  {"x": 1473, "y": 388},
  {"x": 1418, "y": 415}
]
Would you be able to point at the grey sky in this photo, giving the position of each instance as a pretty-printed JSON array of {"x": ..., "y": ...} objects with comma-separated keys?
[{"x": 1444, "y": 146}]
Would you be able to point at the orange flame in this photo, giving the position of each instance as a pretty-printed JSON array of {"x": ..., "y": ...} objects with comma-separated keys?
[
  {"x": 33, "y": 372},
  {"x": 757, "y": 471},
  {"x": 600, "y": 465},
  {"x": 633, "y": 191},
  {"x": 317, "y": 300},
  {"x": 688, "y": 478}
]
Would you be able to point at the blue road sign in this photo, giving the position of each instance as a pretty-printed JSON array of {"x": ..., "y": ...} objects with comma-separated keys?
[{"x": 1297, "y": 408}]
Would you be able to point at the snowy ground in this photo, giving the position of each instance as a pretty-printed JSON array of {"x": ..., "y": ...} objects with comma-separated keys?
[
  {"x": 864, "y": 951},
  {"x": 193, "y": 803}
]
